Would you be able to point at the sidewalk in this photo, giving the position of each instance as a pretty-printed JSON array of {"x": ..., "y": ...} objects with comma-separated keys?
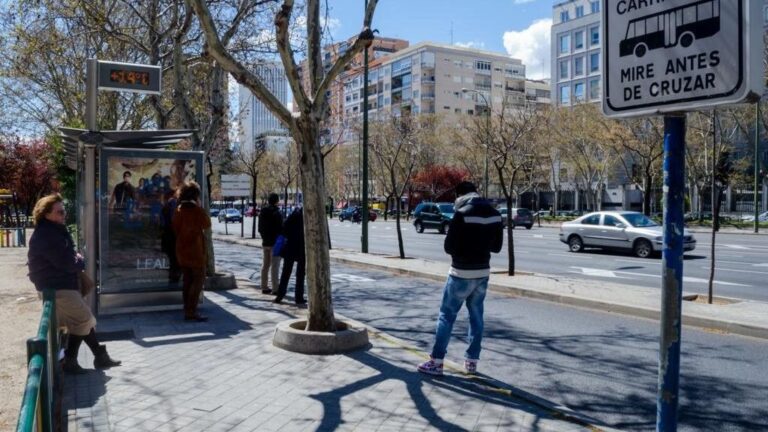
[
  {"x": 225, "y": 375},
  {"x": 743, "y": 317}
]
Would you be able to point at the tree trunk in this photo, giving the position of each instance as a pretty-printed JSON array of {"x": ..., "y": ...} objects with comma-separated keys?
[
  {"x": 510, "y": 239},
  {"x": 320, "y": 318},
  {"x": 646, "y": 195}
]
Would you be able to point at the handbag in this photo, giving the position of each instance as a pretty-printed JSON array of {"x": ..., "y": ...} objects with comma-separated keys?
[
  {"x": 85, "y": 283},
  {"x": 277, "y": 249}
]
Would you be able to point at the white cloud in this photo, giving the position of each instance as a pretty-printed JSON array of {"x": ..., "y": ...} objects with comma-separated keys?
[
  {"x": 532, "y": 46},
  {"x": 476, "y": 45}
]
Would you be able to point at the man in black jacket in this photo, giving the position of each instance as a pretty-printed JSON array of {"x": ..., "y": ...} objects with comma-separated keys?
[
  {"x": 270, "y": 226},
  {"x": 475, "y": 231}
]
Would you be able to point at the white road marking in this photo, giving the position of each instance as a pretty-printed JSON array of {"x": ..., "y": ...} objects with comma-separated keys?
[
  {"x": 538, "y": 236},
  {"x": 597, "y": 272},
  {"x": 619, "y": 275},
  {"x": 343, "y": 277},
  {"x": 761, "y": 265},
  {"x": 737, "y": 271},
  {"x": 733, "y": 246}
]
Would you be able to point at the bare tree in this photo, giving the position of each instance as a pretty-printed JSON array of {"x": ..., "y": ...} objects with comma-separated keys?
[
  {"x": 395, "y": 146},
  {"x": 640, "y": 149},
  {"x": 249, "y": 161},
  {"x": 586, "y": 138},
  {"x": 304, "y": 127}
]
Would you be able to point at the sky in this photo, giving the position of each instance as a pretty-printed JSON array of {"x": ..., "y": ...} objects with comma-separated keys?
[{"x": 520, "y": 28}]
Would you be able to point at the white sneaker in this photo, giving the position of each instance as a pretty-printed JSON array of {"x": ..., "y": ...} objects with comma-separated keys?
[
  {"x": 470, "y": 366},
  {"x": 431, "y": 367}
]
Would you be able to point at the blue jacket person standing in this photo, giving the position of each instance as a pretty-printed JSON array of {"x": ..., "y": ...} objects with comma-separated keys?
[{"x": 475, "y": 231}]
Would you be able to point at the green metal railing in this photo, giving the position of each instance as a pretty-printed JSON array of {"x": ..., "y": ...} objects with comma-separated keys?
[{"x": 38, "y": 403}]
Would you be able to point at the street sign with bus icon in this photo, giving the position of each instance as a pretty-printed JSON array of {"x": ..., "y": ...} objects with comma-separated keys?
[{"x": 675, "y": 55}]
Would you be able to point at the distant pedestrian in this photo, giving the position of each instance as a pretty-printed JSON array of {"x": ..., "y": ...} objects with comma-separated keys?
[
  {"x": 54, "y": 264},
  {"x": 293, "y": 252},
  {"x": 270, "y": 226},
  {"x": 475, "y": 231},
  {"x": 189, "y": 224}
]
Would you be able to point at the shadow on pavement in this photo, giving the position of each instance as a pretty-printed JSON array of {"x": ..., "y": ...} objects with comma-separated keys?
[
  {"x": 415, "y": 383},
  {"x": 605, "y": 369}
]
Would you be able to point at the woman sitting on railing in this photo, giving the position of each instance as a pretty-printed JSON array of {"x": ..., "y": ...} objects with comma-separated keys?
[{"x": 54, "y": 264}]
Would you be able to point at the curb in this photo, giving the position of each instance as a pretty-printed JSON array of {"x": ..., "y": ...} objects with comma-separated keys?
[{"x": 704, "y": 323}]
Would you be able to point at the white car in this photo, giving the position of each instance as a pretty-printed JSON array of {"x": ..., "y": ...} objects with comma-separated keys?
[
  {"x": 624, "y": 230},
  {"x": 762, "y": 217}
]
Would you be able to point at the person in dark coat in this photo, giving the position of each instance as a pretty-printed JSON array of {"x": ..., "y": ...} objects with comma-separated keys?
[
  {"x": 168, "y": 237},
  {"x": 270, "y": 226},
  {"x": 54, "y": 264},
  {"x": 475, "y": 232},
  {"x": 293, "y": 252}
]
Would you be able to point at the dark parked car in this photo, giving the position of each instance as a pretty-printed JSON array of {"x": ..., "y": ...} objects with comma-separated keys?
[
  {"x": 433, "y": 215},
  {"x": 230, "y": 215},
  {"x": 520, "y": 217},
  {"x": 215, "y": 212},
  {"x": 348, "y": 214}
]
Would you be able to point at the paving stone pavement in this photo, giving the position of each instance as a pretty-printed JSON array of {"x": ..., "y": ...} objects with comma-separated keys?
[{"x": 225, "y": 375}]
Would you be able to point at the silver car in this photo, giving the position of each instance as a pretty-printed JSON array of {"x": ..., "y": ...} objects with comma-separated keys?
[{"x": 618, "y": 230}]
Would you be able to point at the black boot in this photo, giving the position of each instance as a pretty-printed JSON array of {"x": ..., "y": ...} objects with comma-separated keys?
[
  {"x": 102, "y": 360},
  {"x": 71, "y": 366}
]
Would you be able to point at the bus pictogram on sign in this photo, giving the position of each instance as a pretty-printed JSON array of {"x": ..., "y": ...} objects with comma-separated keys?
[{"x": 681, "y": 25}]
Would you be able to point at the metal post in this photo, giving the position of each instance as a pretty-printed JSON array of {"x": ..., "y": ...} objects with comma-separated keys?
[
  {"x": 672, "y": 273},
  {"x": 89, "y": 177},
  {"x": 364, "y": 238},
  {"x": 757, "y": 166}
]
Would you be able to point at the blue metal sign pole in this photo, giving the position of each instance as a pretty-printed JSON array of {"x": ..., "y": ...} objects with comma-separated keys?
[{"x": 672, "y": 273}]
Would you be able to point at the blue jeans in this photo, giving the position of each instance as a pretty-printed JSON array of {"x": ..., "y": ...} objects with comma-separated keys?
[{"x": 457, "y": 291}]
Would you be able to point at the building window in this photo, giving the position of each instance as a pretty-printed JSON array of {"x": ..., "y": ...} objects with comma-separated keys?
[
  {"x": 594, "y": 6},
  {"x": 578, "y": 39},
  {"x": 578, "y": 66},
  {"x": 594, "y": 62},
  {"x": 594, "y": 89},
  {"x": 594, "y": 36},
  {"x": 765, "y": 16},
  {"x": 456, "y": 79},
  {"x": 564, "y": 70},
  {"x": 564, "y": 16},
  {"x": 565, "y": 95},
  {"x": 482, "y": 65},
  {"x": 565, "y": 44},
  {"x": 579, "y": 11},
  {"x": 578, "y": 92}
]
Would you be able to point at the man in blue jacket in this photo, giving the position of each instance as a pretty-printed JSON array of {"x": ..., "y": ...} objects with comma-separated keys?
[{"x": 475, "y": 231}]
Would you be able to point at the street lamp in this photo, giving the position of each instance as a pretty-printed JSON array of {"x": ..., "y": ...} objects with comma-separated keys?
[{"x": 487, "y": 137}]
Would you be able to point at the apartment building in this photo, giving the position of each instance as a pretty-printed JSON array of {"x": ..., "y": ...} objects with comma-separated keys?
[
  {"x": 434, "y": 78},
  {"x": 538, "y": 91},
  {"x": 576, "y": 37},
  {"x": 380, "y": 48},
  {"x": 255, "y": 119}
]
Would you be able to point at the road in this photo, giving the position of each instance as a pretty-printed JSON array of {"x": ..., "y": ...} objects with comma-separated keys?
[
  {"x": 741, "y": 270},
  {"x": 599, "y": 364}
]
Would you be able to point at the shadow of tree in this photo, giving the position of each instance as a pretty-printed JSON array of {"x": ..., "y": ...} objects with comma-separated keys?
[
  {"x": 415, "y": 385},
  {"x": 600, "y": 365}
]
